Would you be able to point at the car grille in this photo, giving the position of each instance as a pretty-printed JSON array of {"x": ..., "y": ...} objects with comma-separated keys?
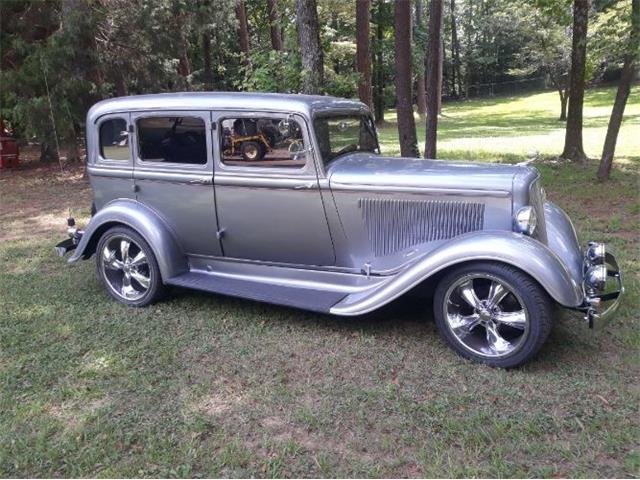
[
  {"x": 536, "y": 200},
  {"x": 394, "y": 225}
]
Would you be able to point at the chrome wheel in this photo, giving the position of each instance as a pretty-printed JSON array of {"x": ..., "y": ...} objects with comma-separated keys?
[
  {"x": 125, "y": 268},
  {"x": 486, "y": 315}
]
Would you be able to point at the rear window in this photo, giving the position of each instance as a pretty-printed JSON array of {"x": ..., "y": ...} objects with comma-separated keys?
[
  {"x": 172, "y": 140},
  {"x": 114, "y": 139}
]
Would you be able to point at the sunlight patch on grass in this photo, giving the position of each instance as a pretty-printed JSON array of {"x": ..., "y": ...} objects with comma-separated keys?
[{"x": 523, "y": 125}]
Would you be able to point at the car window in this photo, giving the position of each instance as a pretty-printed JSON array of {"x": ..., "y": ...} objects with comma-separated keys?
[
  {"x": 338, "y": 135},
  {"x": 114, "y": 139},
  {"x": 262, "y": 142},
  {"x": 172, "y": 140}
]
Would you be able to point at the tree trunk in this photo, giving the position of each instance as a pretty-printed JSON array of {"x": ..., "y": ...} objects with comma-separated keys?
[
  {"x": 573, "y": 149},
  {"x": 441, "y": 67},
  {"x": 243, "y": 31},
  {"x": 71, "y": 147},
  {"x": 120, "y": 84},
  {"x": 421, "y": 92},
  {"x": 628, "y": 71},
  {"x": 206, "y": 54},
  {"x": 404, "y": 103},
  {"x": 363, "y": 51},
  {"x": 563, "y": 104},
  {"x": 184, "y": 64},
  {"x": 379, "y": 67},
  {"x": 310, "y": 47},
  {"x": 274, "y": 25},
  {"x": 47, "y": 153},
  {"x": 468, "y": 51},
  {"x": 434, "y": 44},
  {"x": 455, "y": 52},
  {"x": 421, "y": 95}
]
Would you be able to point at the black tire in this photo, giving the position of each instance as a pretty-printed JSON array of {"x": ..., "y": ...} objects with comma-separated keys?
[
  {"x": 524, "y": 292},
  {"x": 108, "y": 276},
  {"x": 252, "y": 151}
]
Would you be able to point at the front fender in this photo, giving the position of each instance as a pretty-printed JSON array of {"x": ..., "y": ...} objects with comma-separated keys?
[
  {"x": 170, "y": 257},
  {"x": 525, "y": 253}
]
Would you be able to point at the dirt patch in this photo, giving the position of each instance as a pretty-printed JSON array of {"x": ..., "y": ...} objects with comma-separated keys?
[{"x": 36, "y": 198}]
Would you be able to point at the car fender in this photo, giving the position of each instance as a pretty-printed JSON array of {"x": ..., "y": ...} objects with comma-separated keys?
[
  {"x": 149, "y": 224},
  {"x": 524, "y": 253}
]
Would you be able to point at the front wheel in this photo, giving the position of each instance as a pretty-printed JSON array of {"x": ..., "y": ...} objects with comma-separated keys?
[
  {"x": 127, "y": 267},
  {"x": 492, "y": 313}
]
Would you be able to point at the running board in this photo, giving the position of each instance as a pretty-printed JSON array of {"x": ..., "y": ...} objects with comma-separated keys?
[{"x": 303, "y": 298}]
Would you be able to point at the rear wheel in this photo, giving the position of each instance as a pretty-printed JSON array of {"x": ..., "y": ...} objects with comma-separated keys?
[
  {"x": 127, "y": 267},
  {"x": 493, "y": 313}
]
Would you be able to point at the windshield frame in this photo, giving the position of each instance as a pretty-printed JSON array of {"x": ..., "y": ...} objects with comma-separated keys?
[{"x": 369, "y": 125}]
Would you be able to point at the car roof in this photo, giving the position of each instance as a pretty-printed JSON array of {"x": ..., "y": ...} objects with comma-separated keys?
[{"x": 309, "y": 105}]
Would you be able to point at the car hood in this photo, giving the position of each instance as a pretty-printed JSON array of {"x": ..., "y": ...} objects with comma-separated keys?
[{"x": 364, "y": 170}]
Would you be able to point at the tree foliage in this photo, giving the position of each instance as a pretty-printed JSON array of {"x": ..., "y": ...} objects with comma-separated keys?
[{"x": 93, "y": 49}]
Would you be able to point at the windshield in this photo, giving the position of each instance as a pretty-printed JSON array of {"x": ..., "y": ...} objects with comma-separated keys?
[{"x": 341, "y": 134}]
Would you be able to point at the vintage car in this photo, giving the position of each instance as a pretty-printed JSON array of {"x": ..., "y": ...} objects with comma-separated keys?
[{"x": 330, "y": 226}]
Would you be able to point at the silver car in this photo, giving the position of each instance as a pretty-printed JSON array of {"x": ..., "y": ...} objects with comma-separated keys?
[{"x": 286, "y": 199}]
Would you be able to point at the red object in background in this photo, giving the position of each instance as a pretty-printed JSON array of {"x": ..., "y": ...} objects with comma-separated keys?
[{"x": 9, "y": 151}]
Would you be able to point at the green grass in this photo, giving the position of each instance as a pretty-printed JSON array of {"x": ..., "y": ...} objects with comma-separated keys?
[
  {"x": 205, "y": 385},
  {"x": 517, "y": 127}
]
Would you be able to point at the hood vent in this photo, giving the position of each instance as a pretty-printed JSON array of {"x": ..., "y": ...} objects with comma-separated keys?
[{"x": 394, "y": 225}]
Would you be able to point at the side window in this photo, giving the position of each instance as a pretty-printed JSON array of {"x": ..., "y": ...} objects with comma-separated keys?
[
  {"x": 114, "y": 139},
  {"x": 172, "y": 140},
  {"x": 262, "y": 142}
]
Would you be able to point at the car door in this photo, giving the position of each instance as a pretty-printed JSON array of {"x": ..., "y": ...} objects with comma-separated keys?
[
  {"x": 173, "y": 175},
  {"x": 267, "y": 196}
]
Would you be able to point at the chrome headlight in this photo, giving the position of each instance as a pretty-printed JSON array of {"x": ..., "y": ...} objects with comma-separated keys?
[
  {"x": 596, "y": 278},
  {"x": 595, "y": 253},
  {"x": 526, "y": 220}
]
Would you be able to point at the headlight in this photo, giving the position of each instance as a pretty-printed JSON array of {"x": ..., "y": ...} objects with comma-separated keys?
[
  {"x": 526, "y": 220},
  {"x": 595, "y": 253},
  {"x": 596, "y": 278}
]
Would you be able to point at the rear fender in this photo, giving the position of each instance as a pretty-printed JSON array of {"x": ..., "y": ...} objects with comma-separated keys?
[
  {"x": 525, "y": 253},
  {"x": 170, "y": 257}
]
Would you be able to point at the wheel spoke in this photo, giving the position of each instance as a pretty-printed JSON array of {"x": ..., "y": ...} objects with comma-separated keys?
[
  {"x": 127, "y": 289},
  {"x": 513, "y": 319},
  {"x": 462, "y": 325},
  {"x": 496, "y": 343},
  {"x": 497, "y": 292},
  {"x": 141, "y": 279},
  {"x": 124, "y": 249},
  {"x": 109, "y": 259},
  {"x": 139, "y": 259},
  {"x": 469, "y": 294}
]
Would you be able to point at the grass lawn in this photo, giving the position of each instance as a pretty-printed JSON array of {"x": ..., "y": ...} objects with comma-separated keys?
[{"x": 204, "y": 385}]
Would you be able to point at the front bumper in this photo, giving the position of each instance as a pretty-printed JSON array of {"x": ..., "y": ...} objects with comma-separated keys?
[{"x": 602, "y": 283}]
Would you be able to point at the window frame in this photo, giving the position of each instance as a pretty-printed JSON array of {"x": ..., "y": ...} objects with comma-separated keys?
[
  {"x": 203, "y": 115},
  {"x": 98, "y": 144},
  {"x": 308, "y": 169}
]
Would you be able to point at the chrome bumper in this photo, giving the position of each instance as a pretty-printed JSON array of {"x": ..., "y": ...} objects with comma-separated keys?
[
  {"x": 72, "y": 242},
  {"x": 602, "y": 283}
]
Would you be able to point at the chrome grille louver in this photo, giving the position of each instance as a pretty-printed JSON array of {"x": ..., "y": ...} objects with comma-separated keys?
[
  {"x": 394, "y": 225},
  {"x": 536, "y": 200}
]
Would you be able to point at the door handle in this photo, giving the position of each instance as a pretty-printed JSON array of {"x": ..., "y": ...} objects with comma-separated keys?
[
  {"x": 200, "y": 181},
  {"x": 304, "y": 186}
]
